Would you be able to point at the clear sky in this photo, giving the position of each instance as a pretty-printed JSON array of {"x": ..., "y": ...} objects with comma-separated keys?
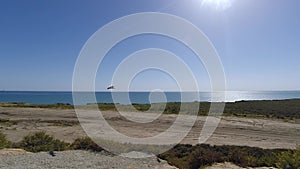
[{"x": 258, "y": 41}]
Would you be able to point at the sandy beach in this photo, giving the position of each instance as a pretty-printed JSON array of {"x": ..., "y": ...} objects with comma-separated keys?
[{"x": 63, "y": 124}]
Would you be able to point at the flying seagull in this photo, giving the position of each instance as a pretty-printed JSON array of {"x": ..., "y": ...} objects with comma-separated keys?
[{"x": 110, "y": 87}]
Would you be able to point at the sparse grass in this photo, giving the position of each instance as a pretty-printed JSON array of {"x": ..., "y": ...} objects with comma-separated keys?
[
  {"x": 4, "y": 143},
  {"x": 85, "y": 143},
  {"x": 62, "y": 123},
  {"x": 7, "y": 122},
  {"x": 107, "y": 106}
]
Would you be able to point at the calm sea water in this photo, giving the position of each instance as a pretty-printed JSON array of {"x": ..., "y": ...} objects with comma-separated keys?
[{"x": 139, "y": 97}]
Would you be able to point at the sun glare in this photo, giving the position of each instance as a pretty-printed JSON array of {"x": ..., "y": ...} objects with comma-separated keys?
[{"x": 217, "y": 4}]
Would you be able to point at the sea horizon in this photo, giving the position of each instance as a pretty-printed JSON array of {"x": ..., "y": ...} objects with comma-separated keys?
[
  {"x": 141, "y": 97},
  {"x": 203, "y": 91}
]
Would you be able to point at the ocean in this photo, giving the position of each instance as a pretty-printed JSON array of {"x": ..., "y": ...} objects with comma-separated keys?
[{"x": 44, "y": 97}]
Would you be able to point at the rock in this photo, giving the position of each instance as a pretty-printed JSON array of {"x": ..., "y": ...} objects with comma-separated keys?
[
  {"x": 12, "y": 152},
  {"x": 78, "y": 159}
]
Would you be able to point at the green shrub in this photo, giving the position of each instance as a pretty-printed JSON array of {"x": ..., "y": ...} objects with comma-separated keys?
[
  {"x": 201, "y": 155},
  {"x": 40, "y": 141},
  {"x": 205, "y": 157},
  {"x": 85, "y": 143},
  {"x": 4, "y": 143},
  {"x": 289, "y": 159}
]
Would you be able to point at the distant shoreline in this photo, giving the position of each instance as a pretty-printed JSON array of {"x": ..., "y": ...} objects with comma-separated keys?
[
  {"x": 280, "y": 109},
  {"x": 150, "y": 103}
]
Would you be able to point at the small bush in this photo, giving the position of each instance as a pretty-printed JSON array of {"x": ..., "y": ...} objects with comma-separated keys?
[
  {"x": 4, "y": 143},
  {"x": 289, "y": 159},
  {"x": 201, "y": 155},
  {"x": 40, "y": 141},
  {"x": 85, "y": 143}
]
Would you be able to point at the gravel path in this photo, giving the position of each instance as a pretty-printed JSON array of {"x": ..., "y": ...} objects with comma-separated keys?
[{"x": 79, "y": 159}]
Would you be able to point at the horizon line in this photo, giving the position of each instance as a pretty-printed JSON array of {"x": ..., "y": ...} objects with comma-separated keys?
[{"x": 148, "y": 91}]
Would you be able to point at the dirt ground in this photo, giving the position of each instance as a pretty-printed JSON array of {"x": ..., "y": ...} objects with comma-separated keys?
[
  {"x": 227, "y": 165},
  {"x": 63, "y": 124}
]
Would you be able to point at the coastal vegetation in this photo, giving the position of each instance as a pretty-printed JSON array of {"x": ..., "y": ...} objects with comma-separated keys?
[
  {"x": 4, "y": 143},
  {"x": 289, "y": 159},
  {"x": 57, "y": 105},
  {"x": 182, "y": 155},
  {"x": 40, "y": 141},
  {"x": 202, "y": 155},
  {"x": 282, "y": 109},
  {"x": 85, "y": 143}
]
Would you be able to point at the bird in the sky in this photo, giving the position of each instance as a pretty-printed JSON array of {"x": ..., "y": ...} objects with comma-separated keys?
[{"x": 110, "y": 87}]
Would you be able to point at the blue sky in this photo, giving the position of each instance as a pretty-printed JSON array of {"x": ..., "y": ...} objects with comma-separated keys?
[{"x": 258, "y": 42}]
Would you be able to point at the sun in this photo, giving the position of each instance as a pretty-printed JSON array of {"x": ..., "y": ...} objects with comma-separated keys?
[{"x": 217, "y": 4}]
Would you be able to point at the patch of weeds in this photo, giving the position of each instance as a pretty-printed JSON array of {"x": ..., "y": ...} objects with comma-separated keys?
[
  {"x": 85, "y": 143},
  {"x": 4, "y": 143},
  {"x": 40, "y": 141},
  {"x": 289, "y": 159},
  {"x": 199, "y": 156},
  {"x": 62, "y": 123},
  {"x": 7, "y": 123}
]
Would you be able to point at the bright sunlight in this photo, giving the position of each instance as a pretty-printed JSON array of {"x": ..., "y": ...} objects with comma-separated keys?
[{"x": 217, "y": 4}]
